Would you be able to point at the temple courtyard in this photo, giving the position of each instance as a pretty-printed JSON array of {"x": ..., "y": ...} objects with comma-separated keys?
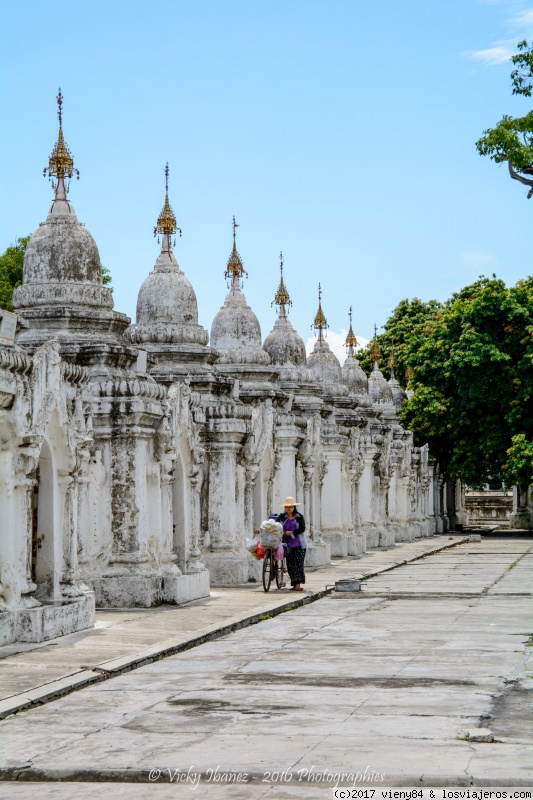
[{"x": 421, "y": 679}]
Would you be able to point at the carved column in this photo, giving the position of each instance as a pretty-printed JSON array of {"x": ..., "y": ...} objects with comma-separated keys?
[
  {"x": 69, "y": 572},
  {"x": 334, "y": 526},
  {"x": 521, "y": 517},
  {"x": 287, "y": 438},
  {"x": 194, "y": 563},
  {"x": 308, "y": 500},
  {"x": 128, "y": 492},
  {"x": 168, "y": 556},
  {"x": 367, "y": 496},
  {"x": 460, "y": 511},
  {"x": 222, "y": 509},
  {"x": 250, "y": 475},
  {"x": 226, "y": 558},
  {"x": 443, "y": 491}
]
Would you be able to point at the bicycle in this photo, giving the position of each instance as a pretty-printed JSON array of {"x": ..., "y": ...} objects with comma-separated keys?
[{"x": 272, "y": 568}]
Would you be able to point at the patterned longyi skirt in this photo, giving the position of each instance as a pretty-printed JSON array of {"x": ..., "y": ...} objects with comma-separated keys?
[{"x": 295, "y": 565}]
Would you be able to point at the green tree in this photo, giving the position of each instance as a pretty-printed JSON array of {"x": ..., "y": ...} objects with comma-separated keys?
[
  {"x": 512, "y": 138},
  {"x": 473, "y": 379},
  {"x": 106, "y": 278},
  {"x": 11, "y": 267},
  {"x": 409, "y": 323},
  {"x": 11, "y": 264},
  {"x": 518, "y": 470}
]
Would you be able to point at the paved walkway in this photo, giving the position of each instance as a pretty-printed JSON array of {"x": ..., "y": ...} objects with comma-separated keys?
[
  {"x": 390, "y": 681},
  {"x": 127, "y": 638}
]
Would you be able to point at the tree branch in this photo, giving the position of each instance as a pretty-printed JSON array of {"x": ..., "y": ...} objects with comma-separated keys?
[{"x": 520, "y": 178}]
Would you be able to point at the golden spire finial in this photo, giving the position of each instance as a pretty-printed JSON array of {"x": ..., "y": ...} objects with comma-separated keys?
[
  {"x": 60, "y": 163},
  {"x": 392, "y": 360},
  {"x": 282, "y": 298},
  {"x": 375, "y": 352},
  {"x": 235, "y": 270},
  {"x": 166, "y": 222},
  {"x": 320, "y": 324},
  {"x": 351, "y": 341}
]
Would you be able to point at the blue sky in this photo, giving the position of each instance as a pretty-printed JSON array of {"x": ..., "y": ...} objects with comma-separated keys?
[{"x": 341, "y": 132}]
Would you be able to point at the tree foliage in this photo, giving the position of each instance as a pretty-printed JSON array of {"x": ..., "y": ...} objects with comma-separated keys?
[
  {"x": 522, "y": 76},
  {"x": 11, "y": 264},
  {"x": 106, "y": 278},
  {"x": 472, "y": 377},
  {"x": 11, "y": 267},
  {"x": 519, "y": 467},
  {"x": 512, "y": 138}
]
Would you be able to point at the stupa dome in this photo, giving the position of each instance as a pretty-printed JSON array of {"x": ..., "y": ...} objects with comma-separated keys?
[
  {"x": 324, "y": 364},
  {"x": 378, "y": 388},
  {"x": 398, "y": 394},
  {"x": 62, "y": 262},
  {"x": 354, "y": 377},
  {"x": 62, "y": 249},
  {"x": 352, "y": 374},
  {"x": 166, "y": 295},
  {"x": 167, "y": 310},
  {"x": 235, "y": 332},
  {"x": 283, "y": 344}
]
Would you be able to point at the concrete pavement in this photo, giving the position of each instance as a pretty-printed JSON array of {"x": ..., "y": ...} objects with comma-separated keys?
[
  {"x": 124, "y": 639},
  {"x": 388, "y": 682}
]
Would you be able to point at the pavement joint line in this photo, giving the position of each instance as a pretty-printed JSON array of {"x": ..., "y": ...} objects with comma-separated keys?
[
  {"x": 79, "y": 680},
  {"x": 397, "y": 595},
  {"x": 508, "y": 570},
  {"x": 29, "y": 774}
]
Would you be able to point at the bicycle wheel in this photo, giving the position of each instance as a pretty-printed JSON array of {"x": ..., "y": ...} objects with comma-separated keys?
[
  {"x": 280, "y": 571},
  {"x": 268, "y": 568}
]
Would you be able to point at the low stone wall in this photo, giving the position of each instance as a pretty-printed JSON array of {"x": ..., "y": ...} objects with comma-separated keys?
[{"x": 488, "y": 508}]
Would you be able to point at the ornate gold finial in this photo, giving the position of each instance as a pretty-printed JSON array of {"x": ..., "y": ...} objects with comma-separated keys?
[
  {"x": 235, "y": 270},
  {"x": 375, "y": 352},
  {"x": 392, "y": 360},
  {"x": 60, "y": 163},
  {"x": 166, "y": 222},
  {"x": 320, "y": 323},
  {"x": 409, "y": 374},
  {"x": 351, "y": 341},
  {"x": 282, "y": 298}
]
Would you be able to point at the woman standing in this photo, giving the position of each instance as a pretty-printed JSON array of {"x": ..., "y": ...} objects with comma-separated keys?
[{"x": 293, "y": 525}]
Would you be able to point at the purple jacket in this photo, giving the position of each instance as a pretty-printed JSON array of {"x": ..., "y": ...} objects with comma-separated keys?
[{"x": 297, "y": 526}]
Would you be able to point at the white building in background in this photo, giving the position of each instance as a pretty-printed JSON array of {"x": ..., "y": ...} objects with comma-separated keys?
[{"x": 135, "y": 459}]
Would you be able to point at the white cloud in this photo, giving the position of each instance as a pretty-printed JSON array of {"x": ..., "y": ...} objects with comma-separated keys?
[
  {"x": 492, "y": 55},
  {"x": 524, "y": 20},
  {"x": 478, "y": 260},
  {"x": 336, "y": 343},
  {"x": 520, "y": 25}
]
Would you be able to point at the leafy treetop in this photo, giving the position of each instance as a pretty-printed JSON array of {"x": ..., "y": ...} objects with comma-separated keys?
[
  {"x": 512, "y": 138},
  {"x": 11, "y": 264},
  {"x": 469, "y": 364},
  {"x": 473, "y": 379},
  {"x": 410, "y": 321}
]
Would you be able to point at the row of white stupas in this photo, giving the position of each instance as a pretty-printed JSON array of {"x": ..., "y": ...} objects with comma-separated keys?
[{"x": 136, "y": 459}]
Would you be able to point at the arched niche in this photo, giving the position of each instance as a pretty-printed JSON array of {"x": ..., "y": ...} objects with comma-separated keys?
[
  {"x": 48, "y": 511},
  {"x": 180, "y": 512},
  {"x": 45, "y": 537}
]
